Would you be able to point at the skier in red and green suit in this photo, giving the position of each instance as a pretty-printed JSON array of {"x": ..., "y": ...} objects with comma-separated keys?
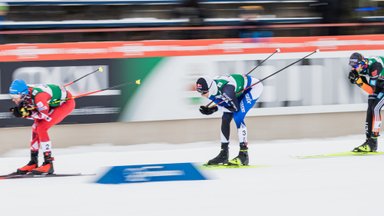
[{"x": 47, "y": 105}]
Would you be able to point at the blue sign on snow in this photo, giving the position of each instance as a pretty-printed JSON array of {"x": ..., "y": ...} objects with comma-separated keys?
[{"x": 151, "y": 173}]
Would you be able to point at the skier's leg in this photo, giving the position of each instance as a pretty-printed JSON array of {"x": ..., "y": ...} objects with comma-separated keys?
[
  {"x": 225, "y": 127},
  {"x": 372, "y": 125},
  {"x": 57, "y": 115},
  {"x": 246, "y": 104},
  {"x": 369, "y": 117},
  {"x": 379, "y": 103},
  {"x": 222, "y": 157},
  {"x": 34, "y": 147}
]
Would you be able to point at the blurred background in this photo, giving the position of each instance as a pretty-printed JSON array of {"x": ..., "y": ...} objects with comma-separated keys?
[
  {"x": 57, "y": 21},
  {"x": 168, "y": 44}
]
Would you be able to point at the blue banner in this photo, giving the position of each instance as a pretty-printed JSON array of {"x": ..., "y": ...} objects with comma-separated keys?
[{"x": 151, "y": 173}]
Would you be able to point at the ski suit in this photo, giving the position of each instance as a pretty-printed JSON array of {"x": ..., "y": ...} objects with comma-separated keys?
[
  {"x": 235, "y": 102},
  {"x": 51, "y": 107},
  {"x": 372, "y": 82}
]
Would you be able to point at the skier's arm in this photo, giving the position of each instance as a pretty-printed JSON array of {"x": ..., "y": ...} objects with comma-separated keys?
[
  {"x": 229, "y": 94},
  {"x": 360, "y": 81},
  {"x": 215, "y": 100},
  {"x": 363, "y": 85},
  {"x": 42, "y": 106},
  {"x": 376, "y": 68}
]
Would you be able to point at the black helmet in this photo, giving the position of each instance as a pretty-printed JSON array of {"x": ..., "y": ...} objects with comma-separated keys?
[
  {"x": 203, "y": 85},
  {"x": 356, "y": 59},
  {"x": 206, "y": 85}
]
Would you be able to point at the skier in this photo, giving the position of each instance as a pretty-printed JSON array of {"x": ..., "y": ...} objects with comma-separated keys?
[
  {"x": 46, "y": 105},
  {"x": 368, "y": 74},
  {"x": 235, "y": 95}
]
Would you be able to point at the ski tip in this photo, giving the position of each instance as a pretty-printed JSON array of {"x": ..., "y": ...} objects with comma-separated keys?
[
  {"x": 31, "y": 175},
  {"x": 278, "y": 50},
  {"x": 317, "y": 50},
  {"x": 101, "y": 69}
]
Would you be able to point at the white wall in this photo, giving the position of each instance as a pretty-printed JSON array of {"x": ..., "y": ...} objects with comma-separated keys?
[{"x": 271, "y": 127}]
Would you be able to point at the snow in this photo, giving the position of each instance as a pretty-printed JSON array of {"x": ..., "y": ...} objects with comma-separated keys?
[{"x": 284, "y": 185}]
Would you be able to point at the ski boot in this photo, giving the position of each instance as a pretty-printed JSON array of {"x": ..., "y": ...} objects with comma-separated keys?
[
  {"x": 46, "y": 167},
  {"x": 242, "y": 159},
  {"x": 221, "y": 158},
  {"x": 370, "y": 145},
  {"x": 32, "y": 164}
]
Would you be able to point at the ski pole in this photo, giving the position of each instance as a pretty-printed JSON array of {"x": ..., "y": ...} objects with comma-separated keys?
[
  {"x": 316, "y": 51},
  {"x": 137, "y": 82},
  {"x": 276, "y": 51},
  {"x": 97, "y": 70}
]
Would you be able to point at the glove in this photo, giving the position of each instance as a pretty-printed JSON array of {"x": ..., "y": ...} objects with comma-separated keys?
[
  {"x": 15, "y": 112},
  {"x": 20, "y": 111},
  {"x": 208, "y": 110},
  {"x": 353, "y": 76}
]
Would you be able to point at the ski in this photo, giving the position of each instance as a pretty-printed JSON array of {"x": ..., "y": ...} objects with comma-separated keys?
[
  {"x": 226, "y": 166},
  {"x": 8, "y": 175},
  {"x": 340, "y": 154},
  {"x": 30, "y": 175}
]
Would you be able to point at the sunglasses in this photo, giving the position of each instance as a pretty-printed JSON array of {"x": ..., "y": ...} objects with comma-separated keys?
[{"x": 355, "y": 64}]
